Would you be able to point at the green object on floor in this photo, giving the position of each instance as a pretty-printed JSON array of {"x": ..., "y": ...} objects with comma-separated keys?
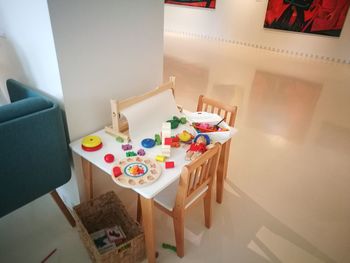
[{"x": 168, "y": 246}]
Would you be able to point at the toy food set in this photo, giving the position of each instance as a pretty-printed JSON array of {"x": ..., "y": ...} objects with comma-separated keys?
[
  {"x": 136, "y": 171},
  {"x": 211, "y": 124}
]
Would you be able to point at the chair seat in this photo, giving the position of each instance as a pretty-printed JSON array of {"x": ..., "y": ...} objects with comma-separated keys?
[{"x": 167, "y": 197}]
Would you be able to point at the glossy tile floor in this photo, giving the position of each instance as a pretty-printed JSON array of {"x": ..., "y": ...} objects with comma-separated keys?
[{"x": 286, "y": 197}]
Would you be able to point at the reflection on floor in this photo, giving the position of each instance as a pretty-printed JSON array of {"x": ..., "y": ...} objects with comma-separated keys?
[{"x": 286, "y": 197}]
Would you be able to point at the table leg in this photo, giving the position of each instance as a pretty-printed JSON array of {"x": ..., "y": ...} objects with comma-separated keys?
[
  {"x": 87, "y": 173},
  {"x": 147, "y": 206},
  {"x": 222, "y": 171}
]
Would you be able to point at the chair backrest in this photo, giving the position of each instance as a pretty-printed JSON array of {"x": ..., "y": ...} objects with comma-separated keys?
[
  {"x": 197, "y": 175},
  {"x": 226, "y": 111}
]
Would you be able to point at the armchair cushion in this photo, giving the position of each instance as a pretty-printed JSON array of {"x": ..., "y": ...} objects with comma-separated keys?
[{"x": 23, "y": 107}]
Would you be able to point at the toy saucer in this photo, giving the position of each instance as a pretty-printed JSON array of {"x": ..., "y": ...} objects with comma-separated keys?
[
  {"x": 137, "y": 171},
  {"x": 91, "y": 143}
]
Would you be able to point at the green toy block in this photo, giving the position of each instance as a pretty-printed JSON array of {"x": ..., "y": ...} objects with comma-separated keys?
[
  {"x": 157, "y": 139},
  {"x": 131, "y": 154}
]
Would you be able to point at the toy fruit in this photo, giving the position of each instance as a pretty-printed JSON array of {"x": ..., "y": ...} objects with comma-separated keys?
[{"x": 185, "y": 136}]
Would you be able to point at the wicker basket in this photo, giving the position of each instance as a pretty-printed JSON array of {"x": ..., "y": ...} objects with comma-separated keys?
[{"x": 104, "y": 212}]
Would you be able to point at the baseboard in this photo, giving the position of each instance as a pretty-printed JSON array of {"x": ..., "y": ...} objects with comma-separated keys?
[{"x": 264, "y": 47}]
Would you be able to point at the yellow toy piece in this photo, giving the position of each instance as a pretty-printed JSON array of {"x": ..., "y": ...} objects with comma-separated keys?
[
  {"x": 185, "y": 136},
  {"x": 91, "y": 141},
  {"x": 160, "y": 158}
]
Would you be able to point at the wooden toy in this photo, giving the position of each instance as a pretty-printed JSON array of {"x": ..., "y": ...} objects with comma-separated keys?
[
  {"x": 119, "y": 139},
  {"x": 91, "y": 143},
  {"x": 168, "y": 141},
  {"x": 117, "y": 171},
  {"x": 130, "y": 154},
  {"x": 126, "y": 147},
  {"x": 148, "y": 143},
  {"x": 169, "y": 165},
  {"x": 160, "y": 158},
  {"x": 166, "y": 133},
  {"x": 157, "y": 139},
  {"x": 141, "y": 152},
  {"x": 109, "y": 158},
  {"x": 137, "y": 171},
  {"x": 117, "y": 128}
]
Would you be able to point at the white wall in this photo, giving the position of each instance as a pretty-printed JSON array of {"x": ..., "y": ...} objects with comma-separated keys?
[
  {"x": 27, "y": 27},
  {"x": 106, "y": 49},
  {"x": 242, "y": 21}
]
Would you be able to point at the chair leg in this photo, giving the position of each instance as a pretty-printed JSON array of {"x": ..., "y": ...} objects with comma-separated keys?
[
  {"x": 179, "y": 227},
  {"x": 63, "y": 208},
  {"x": 139, "y": 210},
  {"x": 207, "y": 208}
]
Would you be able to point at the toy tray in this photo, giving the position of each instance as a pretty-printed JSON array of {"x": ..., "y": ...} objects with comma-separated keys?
[{"x": 148, "y": 171}]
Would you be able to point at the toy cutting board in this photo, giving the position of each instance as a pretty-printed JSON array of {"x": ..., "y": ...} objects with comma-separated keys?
[{"x": 137, "y": 171}]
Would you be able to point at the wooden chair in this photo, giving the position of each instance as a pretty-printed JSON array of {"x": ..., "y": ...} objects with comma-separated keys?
[
  {"x": 195, "y": 182},
  {"x": 229, "y": 113}
]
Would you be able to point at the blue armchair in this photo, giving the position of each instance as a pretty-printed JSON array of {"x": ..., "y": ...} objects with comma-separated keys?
[{"x": 34, "y": 156}]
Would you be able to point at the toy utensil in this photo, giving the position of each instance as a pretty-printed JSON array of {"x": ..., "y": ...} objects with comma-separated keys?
[{"x": 217, "y": 125}]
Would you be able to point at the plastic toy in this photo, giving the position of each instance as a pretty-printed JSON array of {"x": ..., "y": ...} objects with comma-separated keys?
[
  {"x": 169, "y": 165},
  {"x": 183, "y": 120},
  {"x": 198, "y": 147},
  {"x": 109, "y": 158},
  {"x": 141, "y": 152},
  {"x": 160, "y": 158},
  {"x": 126, "y": 147},
  {"x": 207, "y": 127},
  {"x": 91, "y": 143},
  {"x": 130, "y": 154},
  {"x": 185, "y": 136},
  {"x": 168, "y": 246},
  {"x": 117, "y": 171},
  {"x": 148, "y": 143},
  {"x": 157, "y": 139}
]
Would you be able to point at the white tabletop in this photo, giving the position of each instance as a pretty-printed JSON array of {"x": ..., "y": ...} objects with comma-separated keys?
[{"x": 110, "y": 145}]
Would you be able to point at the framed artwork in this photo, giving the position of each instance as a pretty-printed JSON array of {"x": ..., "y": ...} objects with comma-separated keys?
[
  {"x": 196, "y": 3},
  {"x": 324, "y": 17}
]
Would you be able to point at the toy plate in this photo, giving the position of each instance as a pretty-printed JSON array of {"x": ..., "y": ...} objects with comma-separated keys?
[{"x": 137, "y": 171}]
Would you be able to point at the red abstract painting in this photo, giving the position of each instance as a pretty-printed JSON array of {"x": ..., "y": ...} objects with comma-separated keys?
[
  {"x": 196, "y": 3},
  {"x": 325, "y": 17}
]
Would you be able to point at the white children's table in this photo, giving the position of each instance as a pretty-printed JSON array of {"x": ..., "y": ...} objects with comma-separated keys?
[{"x": 147, "y": 193}]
